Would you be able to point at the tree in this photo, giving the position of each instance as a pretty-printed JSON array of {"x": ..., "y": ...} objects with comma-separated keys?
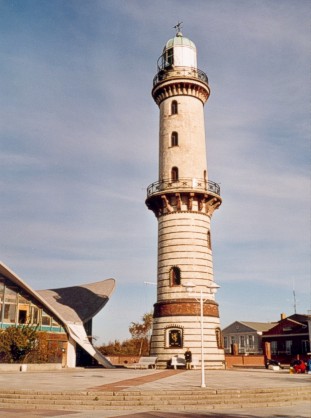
[
  {"x": 139, "y": 343},
  {"x": 140, "y": 331},
  {"x": 17, "y": 342}
]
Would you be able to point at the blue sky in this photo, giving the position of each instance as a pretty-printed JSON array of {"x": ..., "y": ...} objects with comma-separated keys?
[{"x": 79, "y": 146}]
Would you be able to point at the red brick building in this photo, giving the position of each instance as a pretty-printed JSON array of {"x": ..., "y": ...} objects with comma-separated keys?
[{"x": 289, "y": 338}]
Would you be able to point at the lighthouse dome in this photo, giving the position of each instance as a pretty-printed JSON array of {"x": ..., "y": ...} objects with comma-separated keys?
[
  {"x": 179, "y": 40},
  {"x": 180, "y": 52}
]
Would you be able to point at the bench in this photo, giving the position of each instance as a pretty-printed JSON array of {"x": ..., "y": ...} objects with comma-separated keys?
[
  {"x": 144, "y": 363},
  {"x": 178, "y": 361},
  {"x": 181, "y": 362}
]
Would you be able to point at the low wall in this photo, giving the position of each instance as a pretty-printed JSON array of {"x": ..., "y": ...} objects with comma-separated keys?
[
  {"x": 231, "y": 360},
  {"x": 244, "y": 361},
  {"x": 123, "y": 360},
  {"x": 7, "y": 367}
]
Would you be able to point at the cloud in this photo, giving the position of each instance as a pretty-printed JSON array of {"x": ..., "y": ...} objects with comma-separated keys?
[{"x": 79, "y": 140}]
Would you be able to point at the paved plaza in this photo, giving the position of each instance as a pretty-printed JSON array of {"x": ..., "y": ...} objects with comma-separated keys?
[{"x": 164, "y": 380}]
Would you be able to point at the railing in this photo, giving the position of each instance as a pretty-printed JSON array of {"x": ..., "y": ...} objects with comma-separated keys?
[
  {"x": 171, "y": 72},
  {"x": 183, "y": 184},
  {"x": 245, "y": 350}
]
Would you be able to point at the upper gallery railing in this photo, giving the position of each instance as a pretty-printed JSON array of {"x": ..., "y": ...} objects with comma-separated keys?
[
  {"x": 183, "y": 184},
  {"x": 171, "y": 72}
]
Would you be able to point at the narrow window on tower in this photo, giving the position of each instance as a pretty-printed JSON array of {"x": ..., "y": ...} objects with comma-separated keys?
[
  {"x": 174, "y": 174},
  {"x": 219, "y": 338},
  {"x": 175, "y": 279},
  {"x": 209, "y": 241},
  {"x": 174, "y": 107},
  {"x": 174, "y": 139}
]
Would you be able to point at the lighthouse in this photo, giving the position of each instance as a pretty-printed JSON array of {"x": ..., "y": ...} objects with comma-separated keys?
[{"x": 183, "y": 200}]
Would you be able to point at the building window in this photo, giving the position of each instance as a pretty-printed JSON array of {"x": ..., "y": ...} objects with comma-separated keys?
[
  {"x": 226, "y": 344},
  {"x": 55, "y": 323},
  {"x": 175, "y": 276},
  {"x": 174, "y": 107},
  {"x": 174, "y": 174},
  {"x": 242, "y": 341},
  {"x": 45, "y": 319},
  {"x": 9, "y": 313},
  {"x": 274, "y": 347},
  {"x": 22, "y": 316},
  {"x": 209, "y": 241},
  {"x": 34, "y": 315},
  {"x": 1, "y": 291},
  {"x": 288, "y": 346},
  {"x": 250, "y": 341},
  {"x": 305, "y": 346},
  {"x": 10, "y": 305},
  {"x": 174, "y": 139}
]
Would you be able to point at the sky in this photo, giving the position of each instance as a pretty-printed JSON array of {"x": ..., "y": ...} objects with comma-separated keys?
[{"x": 79, "y": 146}]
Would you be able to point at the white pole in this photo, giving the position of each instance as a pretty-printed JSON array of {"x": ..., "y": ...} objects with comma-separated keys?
[
  {"x": 309, "y": 326},
  {"x": 202, "y": 343}
]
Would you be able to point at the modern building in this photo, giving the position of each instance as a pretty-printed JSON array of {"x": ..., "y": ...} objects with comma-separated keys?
[
  {"x": 183, "y": 200},
  {"x": 289, "y": 337},
  {"x": 242, "y": 337},
  {"x": 65, "y": 314}
]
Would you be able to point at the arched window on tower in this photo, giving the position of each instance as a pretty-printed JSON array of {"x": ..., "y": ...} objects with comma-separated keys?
[
  {"x": 209, "y": 241},
  {"x": 174, "y": 107},
  {"x": 174, "y": 139},
  {"x": 175, "y": 276},
  {"x": 174, "y": 174}
]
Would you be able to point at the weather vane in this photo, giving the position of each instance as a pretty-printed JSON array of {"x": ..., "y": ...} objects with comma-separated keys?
[{"x": 178, "y": 27}]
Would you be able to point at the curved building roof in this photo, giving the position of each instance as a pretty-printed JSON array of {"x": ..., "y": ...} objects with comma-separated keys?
[
  {"x": 79, "y": 303},
  {"x": 69, "y": 304},
  {"x": 72, "y": 306}
]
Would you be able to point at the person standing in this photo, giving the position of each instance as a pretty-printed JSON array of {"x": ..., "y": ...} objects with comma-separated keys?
[{"x": 188, "y": 358}]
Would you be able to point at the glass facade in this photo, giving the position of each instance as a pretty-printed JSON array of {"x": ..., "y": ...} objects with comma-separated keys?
[{"x": 18, "y": 308}]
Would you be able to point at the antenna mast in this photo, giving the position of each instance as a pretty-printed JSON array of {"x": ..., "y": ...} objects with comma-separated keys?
[{"x": 294, "y": 294}]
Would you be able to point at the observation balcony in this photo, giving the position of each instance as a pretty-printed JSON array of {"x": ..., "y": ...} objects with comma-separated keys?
[
  {"x": 169, "y": 72},
  {"x": 184, "y": 185}
]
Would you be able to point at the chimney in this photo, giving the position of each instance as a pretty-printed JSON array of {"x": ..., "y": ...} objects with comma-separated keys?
[{"x": 283, "y": 316}]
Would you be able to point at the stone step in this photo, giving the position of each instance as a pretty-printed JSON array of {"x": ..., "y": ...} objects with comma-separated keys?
[
  {"x": 174, "y": 394},
  {"x": 178, "y": 400}
]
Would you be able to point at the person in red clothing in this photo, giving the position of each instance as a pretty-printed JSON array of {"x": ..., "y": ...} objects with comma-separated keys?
[{"x": 299, "y": 366}]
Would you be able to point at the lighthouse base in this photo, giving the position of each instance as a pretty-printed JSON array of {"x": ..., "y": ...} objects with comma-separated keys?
[{"x": 172, "y": 336}]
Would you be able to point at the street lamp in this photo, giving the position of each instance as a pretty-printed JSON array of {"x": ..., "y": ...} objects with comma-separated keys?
[{"x": 212, "y": 290}]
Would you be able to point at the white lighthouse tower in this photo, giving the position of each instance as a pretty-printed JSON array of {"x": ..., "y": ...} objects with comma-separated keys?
[{"x": 183, "y": 200}]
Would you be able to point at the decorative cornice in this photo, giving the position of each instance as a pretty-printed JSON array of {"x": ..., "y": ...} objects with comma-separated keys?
[
  {"x": 180, "y": 87},
  {"x": 168, "y": 203}
]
